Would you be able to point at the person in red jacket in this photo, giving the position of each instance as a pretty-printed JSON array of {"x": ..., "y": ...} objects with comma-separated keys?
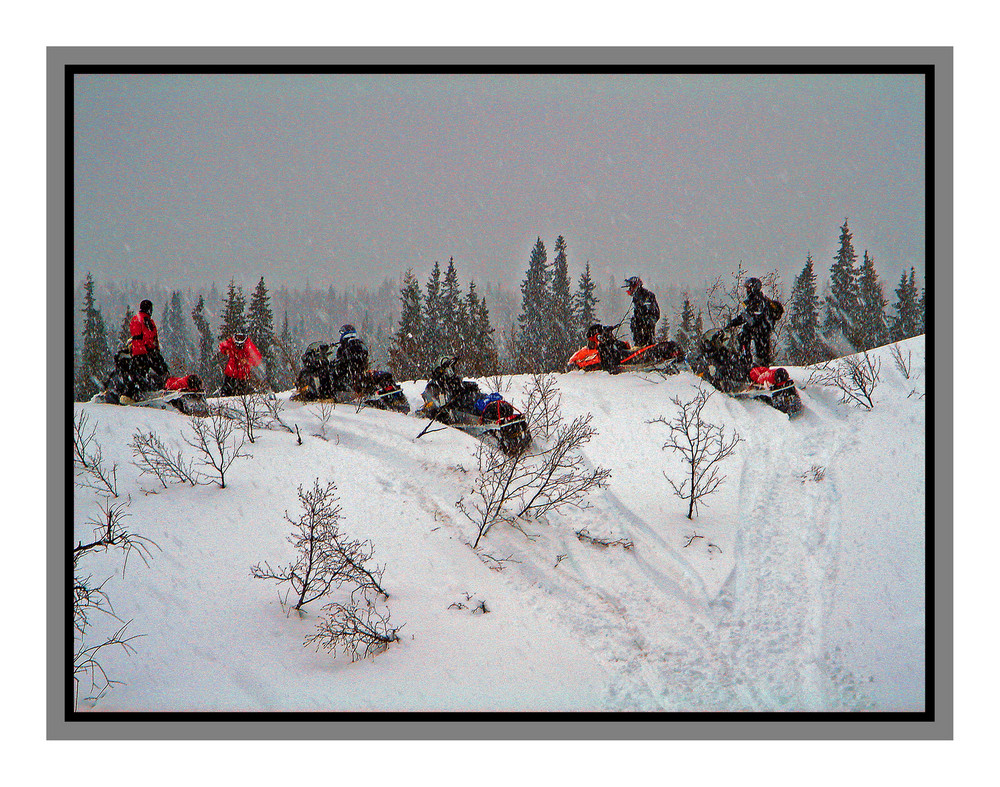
[
  {"x": 148, "y": 369},
  {"x": 243, "y": 357}
]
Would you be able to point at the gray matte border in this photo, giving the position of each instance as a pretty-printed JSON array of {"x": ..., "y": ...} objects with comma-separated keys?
[{"x": 940, "y": 275}]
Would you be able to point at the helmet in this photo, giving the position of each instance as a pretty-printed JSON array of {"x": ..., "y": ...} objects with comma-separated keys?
[
  {"x": 146, "y": 307},
  {"x": 448, "y": 362},
  {"x": 753, "y": 285},
  {"x": 780, "y": 376},
  {"x": 632, "y": 283},
  {"x": 594, "y": 334},
  {"x": 240, "y": 339},
  {"x": 348, "y": 332}
]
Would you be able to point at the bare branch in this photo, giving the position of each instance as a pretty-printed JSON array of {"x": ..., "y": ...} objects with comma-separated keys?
[
  {"x": 603, "y": 543},
  {"x": 357, "y": 629},
  {"x": 153, "y": 457},
  {"x": 216, "y": 443},
  {"x": 88, "y": 460},
  {"x": 855, "y": 376},
  {"x": 702, "y": 445}
]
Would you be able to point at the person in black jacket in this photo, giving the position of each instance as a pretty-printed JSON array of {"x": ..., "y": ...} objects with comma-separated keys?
[
  {"x": 352, "y": 358},
  {"x": 645, "y": 312},
  {"x": 759, "y": 316}
]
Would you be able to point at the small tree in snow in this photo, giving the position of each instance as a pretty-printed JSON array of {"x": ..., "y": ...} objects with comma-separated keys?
[
  {"x": 702, "y": 445},
  {"x": 326, "y": 557},
  {"x": 218, "y": 443},
  {"x": 358, "y": 629}
]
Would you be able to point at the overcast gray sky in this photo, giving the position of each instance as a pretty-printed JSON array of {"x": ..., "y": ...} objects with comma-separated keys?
[{"x": 345, "y": 179}]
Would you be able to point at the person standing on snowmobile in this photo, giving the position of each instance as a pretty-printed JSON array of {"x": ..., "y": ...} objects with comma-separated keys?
[
  {"x": 243, "y": 357},
  {"x": 352, "y": 358},
  {"x": 759, "y": 316},
  {"x": 645, "y": 312},
  {"x": 148, "y": 370}
]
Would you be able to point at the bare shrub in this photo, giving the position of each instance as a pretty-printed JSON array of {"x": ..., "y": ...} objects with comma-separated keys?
[
  {"x": 152, "y": 457},
  {"x": 357, "y": 629},
  {"x": 542, "y": 405},
  {"x": 275, "y": 407},
  {"x": 536, "y": 482},
  {"x": 816, "y": 473},
  {"x": 326, "y": 557},
  {"x": 499, "y": 382},
  {"x": 88, "y": 460},
  {"x": 856, "y": 377},
  {"x": 905, "y": 365},
  {"x": 251, "y": 413},
  {"x": 90, "y": 599},
  {"x": 702, "y": 445},
  {"x": 217, "y": 443},
  {"x": 603, "y": 543},
  {"x": 324, "y": 411}
]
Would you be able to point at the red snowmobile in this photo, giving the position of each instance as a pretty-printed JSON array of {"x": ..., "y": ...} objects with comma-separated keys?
[{"x": 605, "y": 351}]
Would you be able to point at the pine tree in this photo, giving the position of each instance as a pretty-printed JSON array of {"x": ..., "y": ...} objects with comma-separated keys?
[
  {"x": 907, "y": 320},
  {"x": 125, "y": 334},
  {"x": 482, "y": 350},
  {"x": 563, "y": 333},
  {"x": 406, "y": 351},
  {"x": 95, "y": 359},
  {"x": 803, "y": 331},
  {"x": 842, "y": 303},
  {"x": 233, "y": 307},
  {"x": 699, "y": 325},
  {"x": 663, "y": 329},
  {"x": 922, "y": 310},
  {"x": 685, "y": 332},
  {"x": 585, "y": 301},
  {"x": 871, "y": 329},
  {"x": 260, "y": 327},
  {"x": 451, "y": 296},
  {"x": 433, "y": 334},
  {"x": 206, "y": 345},
  {"x": 536, "y": 302},
  {"x": 174, "y": 341}
]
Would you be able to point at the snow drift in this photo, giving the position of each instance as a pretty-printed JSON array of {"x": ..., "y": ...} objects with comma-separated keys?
[{"x": 800, "y": 587}]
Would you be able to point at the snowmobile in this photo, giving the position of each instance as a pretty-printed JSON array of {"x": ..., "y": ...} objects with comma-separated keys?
[
  {"x": 321, "y": 379},
  {"x": 723, "y": 357},
  {"x": 130, "y": 384},
  {"x": 605, "y": 351},
  {"x": 451, "y": 400}
]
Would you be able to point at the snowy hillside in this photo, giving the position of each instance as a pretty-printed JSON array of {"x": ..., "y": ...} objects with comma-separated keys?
[{"x": 800, "y": 586}]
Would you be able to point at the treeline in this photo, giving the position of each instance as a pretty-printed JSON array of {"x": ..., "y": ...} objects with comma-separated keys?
[
  {"x": 854, "y": 315},
  {"x": 410, "y": 327}
]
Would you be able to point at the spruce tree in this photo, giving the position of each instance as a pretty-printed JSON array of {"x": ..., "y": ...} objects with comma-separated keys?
[
  {"x": 870, "y": 329},
  {"x": 433, "y": 334},
  {"x": 174, "y": 342},
  {"x": 922, "y": 310},
  {"x": 206, "y": 345},
  {"x": 842, "y": 303},
  {"x": 260, "y": 326},
  {"x": 407, "y": 359},
  {"x": 451, "y": 296},
  {"x": 125, "y": 334},
  {"x": 663, "y": 329},
  {"x": 482, "y": 355},
  {"x": 233, "y": 308},
  {"x": 564, "y": 333},
  {"x": 685, "y": 331},
  {"x": 586, "y": 314},
  {"x": 803, "y": 331},
  {"x": 533, "y": 342},
  {"x": 95, "y": 359},
  {"x": 907, "y": 320}
]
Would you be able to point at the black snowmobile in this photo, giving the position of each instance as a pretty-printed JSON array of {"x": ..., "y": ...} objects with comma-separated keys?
[
  {"x": 451, "y": 400},
  {"x": 136, "y": 383},
  {"x": 723, "y": 357},
  {"x": 325, "y": 377},
  {"x": 606, "y": 351}
]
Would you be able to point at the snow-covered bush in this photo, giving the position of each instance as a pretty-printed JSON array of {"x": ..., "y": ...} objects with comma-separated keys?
[
  {"x": 326, "y": 558},
  {"x": 545, "y": 478},
  {"x": 702, "y": 446},
  {"x": 357, "y": 629}
]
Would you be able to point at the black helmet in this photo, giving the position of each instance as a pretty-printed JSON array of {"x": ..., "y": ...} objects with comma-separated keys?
[
  {"x": 240, "y": 339},
  {"x": 348, "y": 332},
  {"x": 632, "y": 283},
  {"x": 753, "y": 285},
  {"x": 146, "y": 307},
  {"x": 780, "y": 376},
  {"x": 448, "y": 362}
]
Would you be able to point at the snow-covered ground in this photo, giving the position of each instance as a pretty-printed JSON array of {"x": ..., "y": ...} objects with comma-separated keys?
[{"x": 800, "y": 586}]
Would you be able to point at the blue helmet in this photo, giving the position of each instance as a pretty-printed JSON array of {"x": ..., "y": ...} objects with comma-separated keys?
[{"x": 348, "y": 332}]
